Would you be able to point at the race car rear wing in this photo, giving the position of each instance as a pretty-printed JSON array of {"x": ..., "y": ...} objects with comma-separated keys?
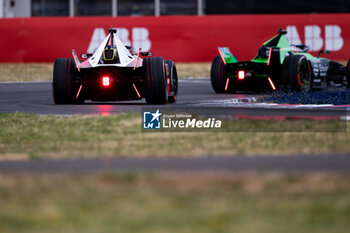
[{"x": 226, "y": 55}]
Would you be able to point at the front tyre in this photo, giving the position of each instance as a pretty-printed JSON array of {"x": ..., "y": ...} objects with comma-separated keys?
[
  {"x": 63, "y": 81},
  {"x": 217, "y": 75},
  {"x": 155, "y": 84},
  {"x": 297, "y": 73},
  {"x": 171, "y": 81}
]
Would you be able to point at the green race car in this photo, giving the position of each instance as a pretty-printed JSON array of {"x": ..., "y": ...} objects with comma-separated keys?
[{"x": 277, "y": 66}]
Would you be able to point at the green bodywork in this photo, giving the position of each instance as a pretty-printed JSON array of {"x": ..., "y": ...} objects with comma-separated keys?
[
  {"x": 277, "y": 64},
  {"x": 227, "y": 56},
  {"x": 282, "y": 43},
  {"x": 285, "y": 48}
]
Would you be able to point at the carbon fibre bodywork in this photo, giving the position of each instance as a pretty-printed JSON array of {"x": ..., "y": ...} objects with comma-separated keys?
[{"x": 120, "y": 87}]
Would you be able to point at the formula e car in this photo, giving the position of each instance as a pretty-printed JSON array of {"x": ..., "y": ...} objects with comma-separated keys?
[
  {"x": 114, "y": 72},
  {"x": 277, "y": 66}
]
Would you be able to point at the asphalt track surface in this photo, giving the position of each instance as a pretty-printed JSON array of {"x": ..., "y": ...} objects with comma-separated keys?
[
  {"x": 195, "y": 96},
  {"x": 288, "y": 163}
]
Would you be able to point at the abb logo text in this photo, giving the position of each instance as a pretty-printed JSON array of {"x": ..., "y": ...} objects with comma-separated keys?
[
  {"x": 313, "y": 36},
  {"x": 139, "y": 38}
]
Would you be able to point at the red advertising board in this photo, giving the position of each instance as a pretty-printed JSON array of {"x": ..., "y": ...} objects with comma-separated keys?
[{"x": 182, "y": 38}]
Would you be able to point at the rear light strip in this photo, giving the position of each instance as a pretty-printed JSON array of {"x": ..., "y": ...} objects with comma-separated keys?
[
  {"x": 76, "y": 97},
  {"x": 137, "y": 92},
  {"x": 271, "y": 83},
  {"x": 137, "y": 58},
  {"x": 227, "y": 81},
  {"x": 268, "y": 61}
]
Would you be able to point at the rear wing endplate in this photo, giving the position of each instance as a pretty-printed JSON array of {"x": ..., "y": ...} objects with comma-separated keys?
[
  {"x": 226, "y": 55},
  {"x": 76, "y": 60}
]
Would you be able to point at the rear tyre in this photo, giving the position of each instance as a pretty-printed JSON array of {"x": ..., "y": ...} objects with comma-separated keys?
[
  {"x": 348, "y": 73},
  {"x": 155, "y": 84},
  {"x": 171, "y": 81},
  {"x": 63, "y": 87},
  {"x": 217, "y": 75},
  {"x": 297, "y": 73}
]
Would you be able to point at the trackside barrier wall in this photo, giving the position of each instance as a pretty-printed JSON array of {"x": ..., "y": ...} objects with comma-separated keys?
[{"x": 181, "y": 38}]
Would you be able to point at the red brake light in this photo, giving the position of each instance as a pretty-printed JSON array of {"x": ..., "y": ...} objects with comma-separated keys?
[
  {"x": 105, "y": 81},
  {"x": 241, "y": 74}
]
